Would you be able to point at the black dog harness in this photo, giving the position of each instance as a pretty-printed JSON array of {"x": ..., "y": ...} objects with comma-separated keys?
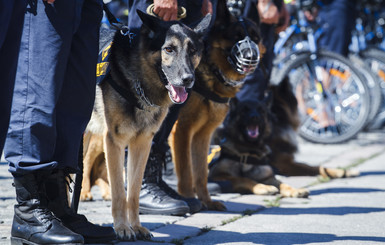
[
  {"x": 229, "y": 151},
  {"x": 103, "y": 66}
]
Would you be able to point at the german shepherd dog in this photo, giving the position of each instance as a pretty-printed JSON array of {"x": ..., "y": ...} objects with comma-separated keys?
[
  {"x": 216, "y": 82},
  {"x": 147, "y": 75},
  {"x": 260, "y": 139}
]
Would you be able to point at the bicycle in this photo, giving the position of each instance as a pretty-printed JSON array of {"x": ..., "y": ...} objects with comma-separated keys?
[{"x": 333, "y": 97}]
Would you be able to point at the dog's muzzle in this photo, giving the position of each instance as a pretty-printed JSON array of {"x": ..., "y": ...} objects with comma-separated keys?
[{"x": 244, "y": 56}]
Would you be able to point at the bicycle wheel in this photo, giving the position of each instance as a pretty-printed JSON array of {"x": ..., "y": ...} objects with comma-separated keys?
[
  {"x": 335, "y": 109},
  {"x": 375, "y": 59},
  {"x": 374, "y": 85}
]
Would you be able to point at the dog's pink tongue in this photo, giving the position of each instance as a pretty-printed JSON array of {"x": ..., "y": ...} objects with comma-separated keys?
[
  {"x": 253, "y": 131},
  {"x": 178, "y": 94}
]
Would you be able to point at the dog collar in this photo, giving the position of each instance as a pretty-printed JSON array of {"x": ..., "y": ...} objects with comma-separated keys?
[
  {"x": 140, "y": 92},
  {"x": 220, "y": 77},
  {"x": 128, "y": 95}
]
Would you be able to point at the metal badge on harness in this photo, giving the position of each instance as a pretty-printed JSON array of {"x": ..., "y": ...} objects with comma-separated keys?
[{"x": 103, "y": 65}]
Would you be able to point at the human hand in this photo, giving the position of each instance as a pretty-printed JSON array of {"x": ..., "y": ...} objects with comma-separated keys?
[
  {"x": 166, "y": 9},
  {"x": 268, "y": 12},
  {"x": 49, "y": 1},
  {"x": 207, "y": 7}
]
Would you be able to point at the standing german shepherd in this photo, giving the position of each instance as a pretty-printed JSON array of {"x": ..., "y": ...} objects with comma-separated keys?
[
  {"x": 147, "y": 75},
  {"x": 216, "y": 82},
  {"x": 261, "y": 137}
]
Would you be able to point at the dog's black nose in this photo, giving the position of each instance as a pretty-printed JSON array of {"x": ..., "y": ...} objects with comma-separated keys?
[{"x": 188, "y": 80}]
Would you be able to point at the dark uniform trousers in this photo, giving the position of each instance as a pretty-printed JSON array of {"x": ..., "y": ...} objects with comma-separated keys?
[
  {"x": 55, "y": 85},
  {"x": 11, "y": 25}
]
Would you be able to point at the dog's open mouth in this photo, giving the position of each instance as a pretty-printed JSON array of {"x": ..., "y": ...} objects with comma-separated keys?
[
  {"x": 253, "y": 131},
  {"x": 178, "y": 95}
]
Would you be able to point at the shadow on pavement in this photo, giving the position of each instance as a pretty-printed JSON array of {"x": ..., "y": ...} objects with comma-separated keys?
[
  {"x": 323, "y": 210},
  {"x": 344, "y": 190},
  {"x": 278, "y": 238},
  {"x": 366, "y": 173}
]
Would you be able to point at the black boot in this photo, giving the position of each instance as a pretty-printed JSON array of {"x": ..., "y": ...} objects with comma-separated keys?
[
  {"x": 33, "y": 222},
  {"x": 56, "y": 186},
  {"x": 156, "y": 197}
]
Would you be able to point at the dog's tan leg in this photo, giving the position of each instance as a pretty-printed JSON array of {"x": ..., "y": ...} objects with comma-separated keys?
[
  {"x": 115, "y": 161},
  {"x": 200, "y": 149},
  {"x": 139, "y": 149},
  {"x": 93, "y": 147},
  {"x": 180, "y": 142},
  {"x": 286, "y": 165}
]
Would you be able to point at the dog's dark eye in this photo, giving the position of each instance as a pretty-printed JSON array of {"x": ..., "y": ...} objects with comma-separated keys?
[{"x": 169, "y": 49}]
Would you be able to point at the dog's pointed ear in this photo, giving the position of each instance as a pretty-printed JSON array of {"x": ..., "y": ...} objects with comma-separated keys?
[
  {"x": 203, "y": 26},
  {"x": 151, "y": 22}
]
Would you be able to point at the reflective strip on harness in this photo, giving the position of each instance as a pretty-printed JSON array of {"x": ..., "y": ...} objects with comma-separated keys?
[{"x": 103, "y": 65}]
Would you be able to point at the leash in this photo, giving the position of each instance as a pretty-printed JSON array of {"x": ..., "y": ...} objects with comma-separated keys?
[
  {"x": 78, "y": 181},
  {"x": 115, "y": 24},
  {"x": 210, "y": 95}
]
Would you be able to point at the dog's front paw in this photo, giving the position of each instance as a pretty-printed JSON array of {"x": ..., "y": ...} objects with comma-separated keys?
[
  {"x": 288, "y": 191},
  {"x": 262, "y": 189},
  {"x": 125, "y": 232},
  {"x": 142, "y": 233},
  {"x": 86, "y": 196},
  {"x": 216, "y": 206}
]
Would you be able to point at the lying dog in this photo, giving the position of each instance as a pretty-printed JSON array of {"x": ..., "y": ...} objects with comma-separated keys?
[
  {"x": 147, "y": 75},
  {"x": 261, "y": 138},
  {"x": 219, "y": 77}
]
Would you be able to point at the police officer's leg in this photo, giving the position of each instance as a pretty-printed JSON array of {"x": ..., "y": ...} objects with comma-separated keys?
[
  {"x": 337, "y": 20},
  {"x": 73, "y": 111},
  {"x": 31, "y": 139},
  {"x": 11, "y": 19}
]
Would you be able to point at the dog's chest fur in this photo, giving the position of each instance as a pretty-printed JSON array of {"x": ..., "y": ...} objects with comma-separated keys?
[{"x": 129, "y": 121}]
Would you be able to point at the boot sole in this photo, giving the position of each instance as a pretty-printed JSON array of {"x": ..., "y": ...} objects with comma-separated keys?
[
  {"x": 175, "y": 211},
  {"x": 21, "y": 241}
]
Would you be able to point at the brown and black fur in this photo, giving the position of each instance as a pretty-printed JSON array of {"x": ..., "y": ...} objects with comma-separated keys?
[
  {"x": 119, "y": 121},
  {"x": 276, "y": 120},
  {"x": 198, "y": 119}
]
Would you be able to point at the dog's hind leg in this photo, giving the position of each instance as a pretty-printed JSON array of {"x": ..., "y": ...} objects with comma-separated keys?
[
  {"x": 114, "y": 151},
  {"x": 138, "y": 152}
]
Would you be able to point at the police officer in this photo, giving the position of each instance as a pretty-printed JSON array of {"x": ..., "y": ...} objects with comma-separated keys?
[{"x": 52, "y": 103}]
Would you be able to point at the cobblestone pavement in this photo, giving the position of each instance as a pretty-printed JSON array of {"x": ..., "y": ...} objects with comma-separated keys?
[{"x": 342, "y": 211}]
